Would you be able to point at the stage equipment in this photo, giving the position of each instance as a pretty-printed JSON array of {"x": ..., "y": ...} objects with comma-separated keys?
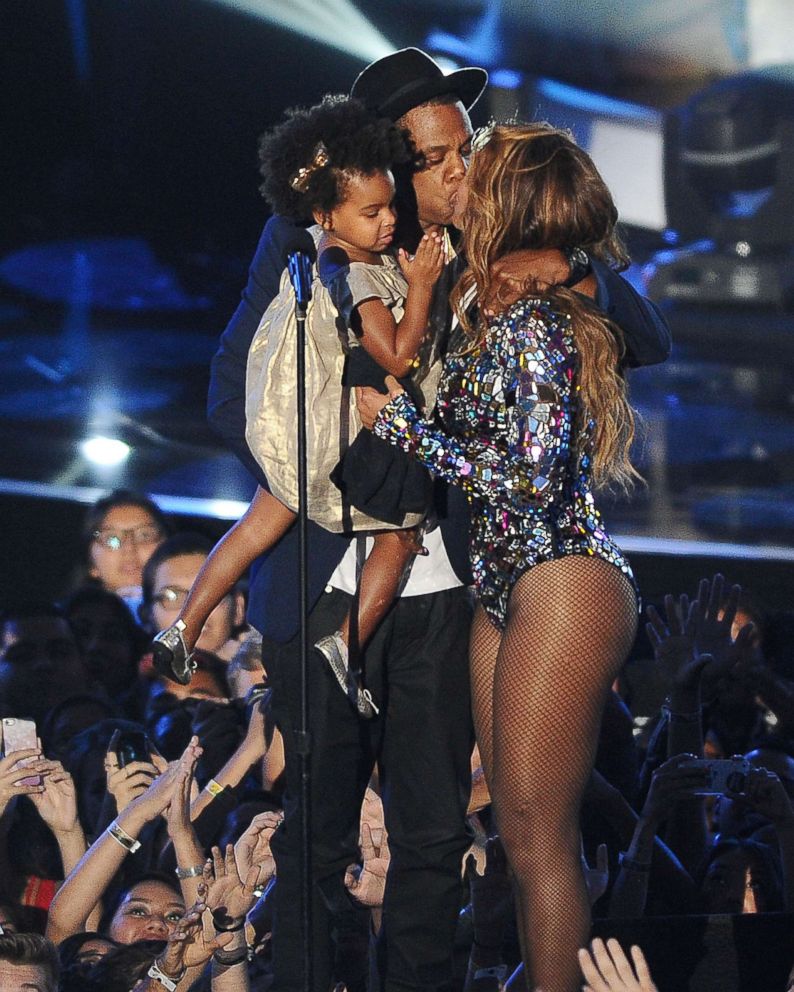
[
  {"x": 729, "y": 194},
  {"x": 301, "y": 253}
]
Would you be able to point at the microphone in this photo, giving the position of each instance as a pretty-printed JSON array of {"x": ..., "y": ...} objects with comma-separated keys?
[{"x": 301, "y": 252}]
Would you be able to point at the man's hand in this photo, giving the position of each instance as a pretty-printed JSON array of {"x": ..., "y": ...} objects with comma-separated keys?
[
  {"x": 368, "y": 885},
  {"x": 535, "y": 269},
  {"x": 370, "y": 402}
]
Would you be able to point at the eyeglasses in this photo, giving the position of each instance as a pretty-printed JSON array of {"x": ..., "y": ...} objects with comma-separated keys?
[
  {"x": 171, "y": 597},
  {"x": 114, "y": 540}
]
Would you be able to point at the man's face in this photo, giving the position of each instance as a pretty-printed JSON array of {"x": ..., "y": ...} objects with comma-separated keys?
[
  {"x": 20, "y": 977},
  {"x": 442, "y": 136}
]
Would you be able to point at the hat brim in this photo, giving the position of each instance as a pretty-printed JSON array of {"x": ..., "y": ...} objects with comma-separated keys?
[{"x": 467, "y": 84}]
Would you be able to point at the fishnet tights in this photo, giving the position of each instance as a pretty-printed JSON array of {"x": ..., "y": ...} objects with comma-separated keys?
[{"x": 538, "y": 693}]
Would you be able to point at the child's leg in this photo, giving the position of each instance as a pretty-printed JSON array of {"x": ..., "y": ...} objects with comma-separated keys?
[
  {"x": 380, "y": 580},
  {"x": 262, "y": 524}
]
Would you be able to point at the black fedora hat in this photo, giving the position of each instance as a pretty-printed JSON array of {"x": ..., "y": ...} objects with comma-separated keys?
[{"x": 397, "y": 83}]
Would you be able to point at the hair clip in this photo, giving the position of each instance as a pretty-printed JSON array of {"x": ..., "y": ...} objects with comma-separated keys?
[{"x": 300, "y": 181}]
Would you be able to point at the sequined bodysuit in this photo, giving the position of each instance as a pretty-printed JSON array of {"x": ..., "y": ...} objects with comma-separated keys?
[{"x": 508, "y": 432}]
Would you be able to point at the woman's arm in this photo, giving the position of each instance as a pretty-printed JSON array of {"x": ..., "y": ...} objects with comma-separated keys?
[
  {"x": 57, "y": 806},
  {"x": 87, "y": 883},
  {"x": 251, "y": 750},
  {"x": 513, "y": 471}
]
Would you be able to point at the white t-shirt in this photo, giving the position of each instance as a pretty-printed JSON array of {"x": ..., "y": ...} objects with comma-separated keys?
[{"x": 429, "y": 573}]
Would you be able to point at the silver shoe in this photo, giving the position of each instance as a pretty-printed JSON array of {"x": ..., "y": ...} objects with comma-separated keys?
[
  {"x": 334, "y": 650},
  {"x": 171, "y": 656}
]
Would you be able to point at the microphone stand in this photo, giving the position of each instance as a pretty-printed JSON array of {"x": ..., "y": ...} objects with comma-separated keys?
[{"x": 299, "y": 265}]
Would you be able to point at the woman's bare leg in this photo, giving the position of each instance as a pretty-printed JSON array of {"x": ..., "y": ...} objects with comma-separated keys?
[
  {"x": 260, "y": 527},
  {"x": 570, "y": 625}
]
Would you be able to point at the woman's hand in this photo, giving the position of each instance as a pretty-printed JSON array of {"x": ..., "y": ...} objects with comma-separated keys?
[
  {"x": 189, "y": 944},
  {"x": 674, "y": 642},
  {"x": 607, "y": 969},
  {"x": 178, "y": 815},
  {"x": 764, "y": 793},
  {"x": 253, "y": 847},
  {"x": 57, "y": 803},
  {"x": 254, "y": 743},
  {"x": 671, "y": 782},
  {"x": 370, "y": 402},
  {"x": 12, "y": 772},
  {"x": 159, "y": 794},
  {"x": 229, "y": 896}
]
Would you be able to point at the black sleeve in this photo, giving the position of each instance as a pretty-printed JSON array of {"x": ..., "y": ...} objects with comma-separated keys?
[{"x": 645, "y": 330}]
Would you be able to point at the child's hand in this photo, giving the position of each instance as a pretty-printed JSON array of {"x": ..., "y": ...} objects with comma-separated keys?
[{"x": 427, "y": 264}]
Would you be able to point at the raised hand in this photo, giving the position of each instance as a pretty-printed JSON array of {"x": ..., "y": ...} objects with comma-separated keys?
[
  {"x": 670, "y": 783},
  {"x": 765, "y": 793},
  {"x": 253, "y": 847},
  {"x": 368, "y": 884},
  {"x": 596, "y": 878},
  {"x": 13, "y": 771},
  {"x": 424, "y": 268},
  {"x": 674, "y": 642},
  {"x": 178, "y": 813},
  {"x": 189, "y": 944},
  {"x": 607, "y": 969},
  {"x": 161, "y": 791},
  {"x": 57, "y": 802},
  {"x": 228, "y": 895}
]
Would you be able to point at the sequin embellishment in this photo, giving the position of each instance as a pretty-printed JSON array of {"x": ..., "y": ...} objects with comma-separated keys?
[{"x": 507, "y": 431}]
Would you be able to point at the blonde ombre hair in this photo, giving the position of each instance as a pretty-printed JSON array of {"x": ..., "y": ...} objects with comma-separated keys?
[{"x": 531, "y": 186}]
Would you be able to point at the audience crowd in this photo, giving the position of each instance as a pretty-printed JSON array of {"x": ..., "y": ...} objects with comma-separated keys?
[{"x": 135, "y": 829}]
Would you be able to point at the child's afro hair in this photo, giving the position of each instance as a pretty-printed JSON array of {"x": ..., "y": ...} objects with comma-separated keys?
[{"x": 357, "y": 142}]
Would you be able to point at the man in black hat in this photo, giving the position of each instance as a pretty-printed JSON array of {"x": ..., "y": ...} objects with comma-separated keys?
[{"x": 416, "y": 664}]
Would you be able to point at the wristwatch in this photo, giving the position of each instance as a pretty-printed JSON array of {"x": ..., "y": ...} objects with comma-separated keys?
[{"x": 579, "y": 263}]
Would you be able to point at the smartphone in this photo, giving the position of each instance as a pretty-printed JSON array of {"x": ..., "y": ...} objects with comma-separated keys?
[
  {"x": 723, "y": 775},
  {"x": 18, "y": 735},
  {"x": 133, "y": 745}
]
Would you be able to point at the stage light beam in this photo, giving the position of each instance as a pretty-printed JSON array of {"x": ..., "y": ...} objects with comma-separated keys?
[{"x": 337, "y": 23}]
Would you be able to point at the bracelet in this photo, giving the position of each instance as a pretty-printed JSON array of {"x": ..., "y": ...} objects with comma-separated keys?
[
  {"x": 194, "y": 872},
  {"x": 579, "y": 263},
  {"x": 230, "y": 959},
  {"x": 631, "y": 864},
  {"x": 121, "y": 837},
  {"x": 214, "y": 788},
  {"x": 166, "y": 980}
]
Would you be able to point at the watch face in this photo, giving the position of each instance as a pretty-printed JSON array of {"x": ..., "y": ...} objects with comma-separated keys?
[{"x": 579, "y": 257}]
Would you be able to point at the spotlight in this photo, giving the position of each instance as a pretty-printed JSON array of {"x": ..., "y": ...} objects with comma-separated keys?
[
  {"x": 105, "y": 451},
  {"x": 729, "y": 158},
  {"x": 337, "y": 23}
]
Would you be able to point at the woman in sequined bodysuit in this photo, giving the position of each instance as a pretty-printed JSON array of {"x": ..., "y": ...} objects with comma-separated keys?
[{"x": 532, "y": 413}]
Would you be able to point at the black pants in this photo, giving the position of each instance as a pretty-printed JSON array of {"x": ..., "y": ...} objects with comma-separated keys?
[{"x": 417, "y": 670}]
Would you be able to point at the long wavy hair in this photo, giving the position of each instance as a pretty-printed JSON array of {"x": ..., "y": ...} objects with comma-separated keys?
[{"x": 531, "y": 186}]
